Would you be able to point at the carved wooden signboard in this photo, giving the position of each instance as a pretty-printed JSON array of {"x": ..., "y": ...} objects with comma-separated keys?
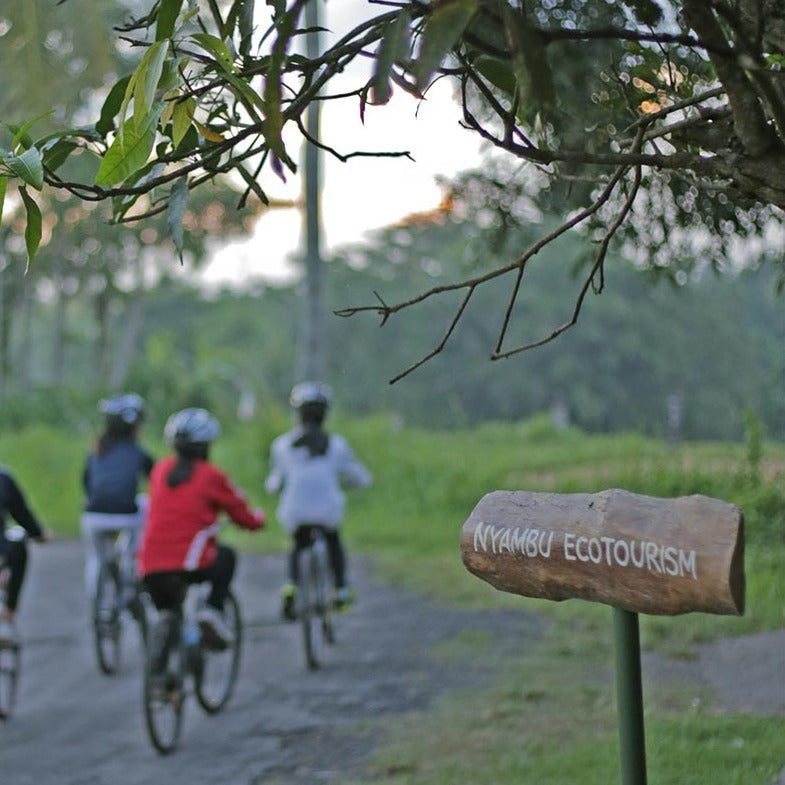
[{"x": 638, "y": 553}]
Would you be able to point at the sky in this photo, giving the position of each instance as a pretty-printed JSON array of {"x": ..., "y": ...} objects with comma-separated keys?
[{"x": 362, "y": 194}]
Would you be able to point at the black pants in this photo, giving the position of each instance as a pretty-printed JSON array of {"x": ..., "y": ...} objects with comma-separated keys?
[
  {"x": 167, "y": 589},
  {"x": 335, "y": 552},
  {"x": 14, "y": 556}
]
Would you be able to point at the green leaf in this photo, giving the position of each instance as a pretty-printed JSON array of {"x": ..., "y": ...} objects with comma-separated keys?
[
  {"x": 178, "y": 201},
  {"x": 497, "y": 72},
  {"x": 129, "y": 150},
  {"x": 245, "y": 25},
  {"x": 245, "y": 93},
  {"x": 394, "y": 46},
  {"x": 28, "y": 167},
  {"x": 181, "y": 119},
  {"x": 147, "y": 75},
  {"x": 33, "y": 227},
  {"x": 279, "y": 8},
  {"x": 3, "y": 187},
  {"x": 444, "y": 27},
  {"x": 168, "y": 12},
  {"x": 532, "y": 70},
  {"x": 20, "y": 133},
  {"x": 253, "y": 185},
  {"x": 112, "y": 106},
  {"x": 217, "y": 48},
  {"x": 57, "y": 154}
]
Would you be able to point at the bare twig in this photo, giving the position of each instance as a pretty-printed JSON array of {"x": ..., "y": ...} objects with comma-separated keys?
[
  {"x": 442, "y": 343},
  {"x": 596, "y": 267}
]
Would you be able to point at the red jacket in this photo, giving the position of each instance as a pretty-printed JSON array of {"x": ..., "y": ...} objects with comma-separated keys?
[{"x": 181, "y": 522}]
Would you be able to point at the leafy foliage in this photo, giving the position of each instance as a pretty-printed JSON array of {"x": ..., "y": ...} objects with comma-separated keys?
[{"x": 657, "y": 124}]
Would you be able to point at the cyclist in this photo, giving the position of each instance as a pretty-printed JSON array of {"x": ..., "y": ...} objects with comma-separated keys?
[
  {"x": 111, "y": 477},
  {"x": 307, "y": 466},
  {"x": 13, "y": 551},
  {"x": 179, "y": 545}
]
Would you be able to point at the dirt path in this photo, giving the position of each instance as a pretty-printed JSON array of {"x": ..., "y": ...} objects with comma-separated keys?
[
  {"x": 285, "y": 725},
  {"x": 73, "y": 726}
]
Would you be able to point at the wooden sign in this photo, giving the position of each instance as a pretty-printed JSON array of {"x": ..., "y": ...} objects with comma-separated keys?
[{"x": 638, "y": 553}]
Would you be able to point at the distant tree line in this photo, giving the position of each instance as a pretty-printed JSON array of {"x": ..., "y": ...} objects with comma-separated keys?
[{"x": 664, "y": 359}]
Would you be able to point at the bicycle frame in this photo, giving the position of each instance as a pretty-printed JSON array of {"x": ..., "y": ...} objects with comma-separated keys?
[
  {"x": 190, "y": 664},
  {"x": 114, "y": 585},
  {"x": 313, "y": 598}
]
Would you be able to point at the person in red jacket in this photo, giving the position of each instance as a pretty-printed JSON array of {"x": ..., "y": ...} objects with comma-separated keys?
[{"x": 187, "y": 493}]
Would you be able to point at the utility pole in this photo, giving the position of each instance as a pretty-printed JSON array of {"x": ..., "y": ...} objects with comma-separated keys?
[{"x": 312, "y": 348}]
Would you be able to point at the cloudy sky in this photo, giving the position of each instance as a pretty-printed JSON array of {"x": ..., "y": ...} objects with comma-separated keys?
[{"x": 364, "y": 193}]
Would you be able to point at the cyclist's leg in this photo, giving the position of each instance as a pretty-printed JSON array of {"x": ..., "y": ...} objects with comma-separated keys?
[
  {"x": 133, "y": 525},
  {"x": 337, "y": 557},
  {"x": 98, "y": 533},
  {"x": 220, "y": 575},
  {"x": 167, "y": 591},
  {"x": 301, "y": 538},
  {"x": 15, "y": 558}
]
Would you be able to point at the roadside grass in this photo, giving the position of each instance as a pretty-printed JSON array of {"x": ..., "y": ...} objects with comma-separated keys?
[{"x": 548, "y": 717}]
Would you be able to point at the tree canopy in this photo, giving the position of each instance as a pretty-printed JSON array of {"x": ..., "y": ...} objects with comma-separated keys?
[{"x": 657, "y": 122}]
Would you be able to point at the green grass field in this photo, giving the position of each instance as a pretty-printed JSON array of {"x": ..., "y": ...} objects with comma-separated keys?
[{"x": 543, "y": 721}]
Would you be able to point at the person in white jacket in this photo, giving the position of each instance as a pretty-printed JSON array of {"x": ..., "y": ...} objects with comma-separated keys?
[{"x": 308, "y": 467}]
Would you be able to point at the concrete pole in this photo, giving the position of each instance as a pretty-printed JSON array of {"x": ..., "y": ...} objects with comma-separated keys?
[{"x": 313, "y": 348}]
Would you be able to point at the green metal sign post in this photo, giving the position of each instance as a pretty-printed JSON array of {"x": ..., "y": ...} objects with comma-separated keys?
[{"x": 629, "y": 697}]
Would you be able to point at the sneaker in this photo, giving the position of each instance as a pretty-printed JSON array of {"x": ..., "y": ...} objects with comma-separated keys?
[
  {"x": 288, "y": 610},
  {"x": 214, "y": 631},
  {"x": 344, "y": 598},
  {"x": 8, "y": 635}
]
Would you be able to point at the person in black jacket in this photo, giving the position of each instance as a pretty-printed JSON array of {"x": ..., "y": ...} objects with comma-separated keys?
[
  {"x": 112, "y": 474},
  {"x": 13, "y": 550}
]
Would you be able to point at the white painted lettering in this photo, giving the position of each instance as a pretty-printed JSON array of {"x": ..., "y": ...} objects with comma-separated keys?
[
  {"x": 582, "y": 557},
  {"x": 607, "y": 542},
  {"x": 569, "y": 546},
  {"x": 669, "y": 560},
  {"x": 480, "y": 535},
  {"x": 546, "y": 553},
  {"x": 531, "y": 543},
  {"x": 651, "y": 557},
  {"x": 637, "y": 562},
  {"x": 621, "y": 553},
  {"x": 687, "y": 563}
]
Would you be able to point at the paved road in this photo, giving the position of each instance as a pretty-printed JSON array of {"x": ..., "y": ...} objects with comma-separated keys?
[{"x": 73, "y": 726}]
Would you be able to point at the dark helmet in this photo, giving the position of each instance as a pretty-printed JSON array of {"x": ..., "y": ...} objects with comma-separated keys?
[
  {"x": 311, "y": 394},
  {"x": 191, "y": 426},
  {"x": 127, "y": 408}
]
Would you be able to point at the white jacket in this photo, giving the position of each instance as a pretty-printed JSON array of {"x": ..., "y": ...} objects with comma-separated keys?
[{"x": 311, "y": 485}]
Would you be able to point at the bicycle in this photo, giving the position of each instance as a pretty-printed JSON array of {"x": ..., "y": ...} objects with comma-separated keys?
[
  {"x": 190, "y": 664},
  {"x": 115, "y": 592},
  {"x": 10, "y": 653},
  {"x": 314, "y": 602}
]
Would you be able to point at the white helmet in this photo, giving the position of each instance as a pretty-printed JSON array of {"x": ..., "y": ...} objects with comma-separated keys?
[
  {"x": 128, "y": 407},
  {"x": 310, "y": 393},
  {"x": 191, "y": 426}
]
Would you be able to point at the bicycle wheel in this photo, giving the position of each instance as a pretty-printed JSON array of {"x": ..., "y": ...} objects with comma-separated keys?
[
  {"x": 216, "y": 672},
  {"x": 107, "y": 626},
  {"x": 164, "y": 696},
  {"x": 307, "y": 598},
  {"x": 9, "y": 678}
]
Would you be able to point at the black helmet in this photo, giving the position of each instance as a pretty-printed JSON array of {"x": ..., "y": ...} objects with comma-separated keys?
[
  {"x": 128, "y": 407},
  {"x": 309, "y": 394},
  {"x": 191, "y": 426}
]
